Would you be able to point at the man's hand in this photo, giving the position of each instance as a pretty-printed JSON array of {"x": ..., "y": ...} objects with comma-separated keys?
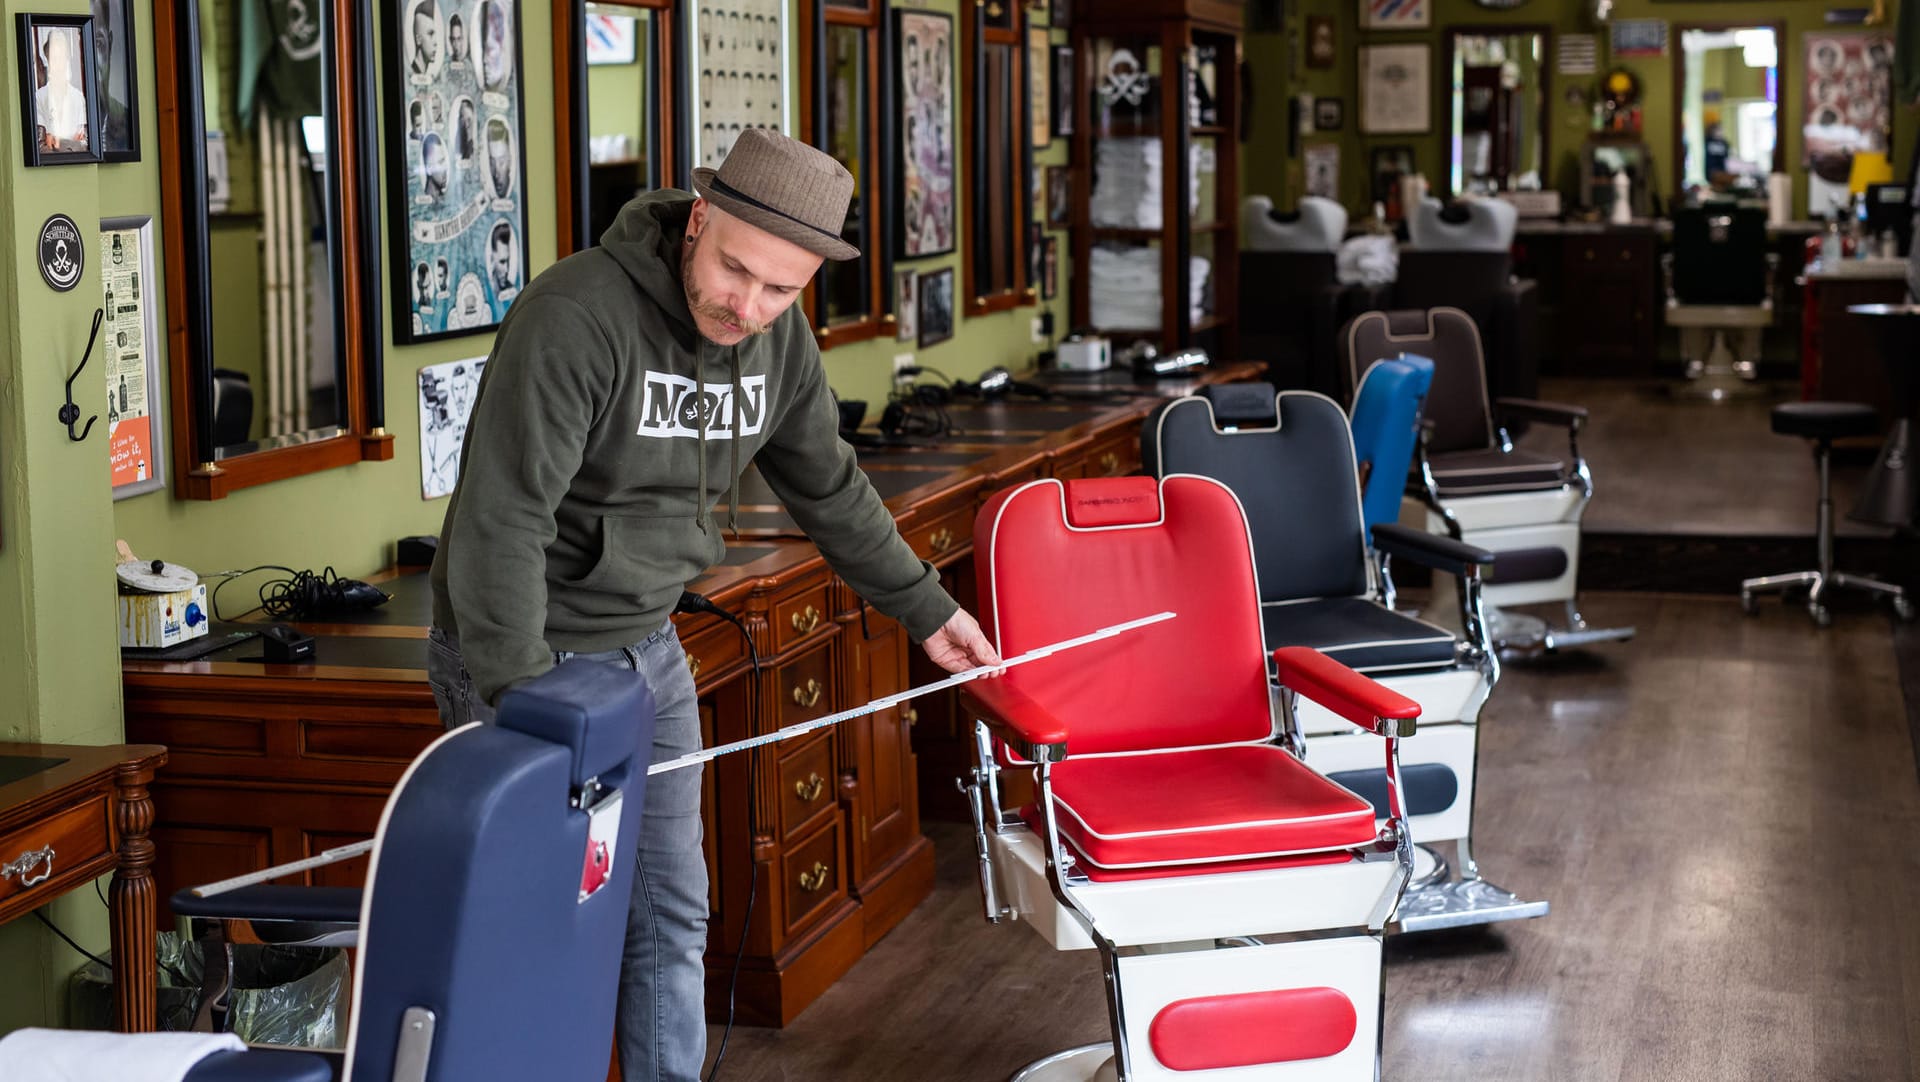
[{"x": 959, "y": 645}]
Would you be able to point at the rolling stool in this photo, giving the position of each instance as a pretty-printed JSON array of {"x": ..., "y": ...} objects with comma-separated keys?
[{"x": 1824, "y": 422}]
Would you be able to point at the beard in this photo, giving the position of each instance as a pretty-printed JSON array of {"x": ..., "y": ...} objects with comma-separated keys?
[{"x": 699, "y": 306}]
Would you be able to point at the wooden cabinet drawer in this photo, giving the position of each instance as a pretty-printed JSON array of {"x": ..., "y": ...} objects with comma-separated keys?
[
  {"x": 810, "y": 875},
  {"x": 806, "y": 785},
  {"x": 805, "y": 687},
  {"x": 712, "y": 651},
  {"x": 40, "y": 859},
  {"x": 942, "y": 537},
  {"x": 799, "y": 615}
]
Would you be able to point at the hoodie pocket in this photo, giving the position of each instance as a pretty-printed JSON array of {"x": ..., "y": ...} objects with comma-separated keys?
[{"x": 648, "y": 554}]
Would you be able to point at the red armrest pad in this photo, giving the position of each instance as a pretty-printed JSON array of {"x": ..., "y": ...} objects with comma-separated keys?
[
  {"x": 1011, "y": 709},
  {"x": 1338, "y": 688}
]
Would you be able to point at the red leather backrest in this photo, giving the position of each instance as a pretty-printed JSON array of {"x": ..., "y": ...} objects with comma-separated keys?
[{"x": 1181, "y": 545}]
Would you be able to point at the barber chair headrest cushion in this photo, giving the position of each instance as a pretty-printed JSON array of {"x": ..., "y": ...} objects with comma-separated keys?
[
  {"x": 1318, "y": 225},
  {"x": 1470, "y": 224},
  {"x": 583, "y": 705},
  {"x": 1457, "y": 401},
  {"x": 1243, "y": 405},
  {"x": 1128, "y": 501}
]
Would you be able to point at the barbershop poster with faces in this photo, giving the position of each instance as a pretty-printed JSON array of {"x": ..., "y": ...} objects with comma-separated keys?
[{"x": 456, "y": 151}]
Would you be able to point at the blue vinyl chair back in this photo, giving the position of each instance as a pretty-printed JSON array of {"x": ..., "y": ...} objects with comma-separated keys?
[
  {"x": 1288, "y": 456},
  {"x": 474, "y": 909},
  {"x": 1386, "y": 427}
]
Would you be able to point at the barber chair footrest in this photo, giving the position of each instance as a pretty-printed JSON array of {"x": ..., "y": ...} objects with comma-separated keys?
[
  {"x": 1519, "y": 633},
  {"x": 1459, "y": 903},
  {"x": 1087, "y": 1063}
]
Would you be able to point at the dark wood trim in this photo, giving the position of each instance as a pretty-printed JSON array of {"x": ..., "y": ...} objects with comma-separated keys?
[
  {"x": 1678, "y": 74},
  {"x": 978, "y": 200},
  {"x": 569, "y": 107}
]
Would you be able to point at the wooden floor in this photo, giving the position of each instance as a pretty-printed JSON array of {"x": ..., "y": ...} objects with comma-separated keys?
[
  {"x": 1723, "y": 812},
  {"x": 1667, "y": 465}
]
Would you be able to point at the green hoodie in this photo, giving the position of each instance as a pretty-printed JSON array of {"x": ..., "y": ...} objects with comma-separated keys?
[{"x": 584, "y": 504}]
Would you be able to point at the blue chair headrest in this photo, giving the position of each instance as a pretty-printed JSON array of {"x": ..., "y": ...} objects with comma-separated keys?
[
  {"x": 583, "y": 705},
  {"x": 1243, "y": 405}
]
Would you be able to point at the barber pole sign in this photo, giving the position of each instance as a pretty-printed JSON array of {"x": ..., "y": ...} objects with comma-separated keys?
[{"x": 1396, "y": 14}]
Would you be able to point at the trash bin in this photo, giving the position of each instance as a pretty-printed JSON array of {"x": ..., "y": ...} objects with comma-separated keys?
[{"x": 294, "y": 997}]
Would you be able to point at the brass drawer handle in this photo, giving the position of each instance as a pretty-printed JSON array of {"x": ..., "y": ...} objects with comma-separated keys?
[
  {"x": 809, "y": 791},
  {"x": 21, "y": 866},
  {"x": 1589, "y": 254},
  {"x": 811, "y": 881},
  {"x": 809, "y": 693},
  {"x": 909, "y": 715},
  {"x": 805, "y": 620},
  {"x": 1109, "y": 463},
  {"x": 693, "y": 666},
  {"x": 940, "y": 540}
]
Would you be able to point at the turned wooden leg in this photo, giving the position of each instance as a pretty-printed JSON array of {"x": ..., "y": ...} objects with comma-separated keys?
[{"x": 131, "y": 899}]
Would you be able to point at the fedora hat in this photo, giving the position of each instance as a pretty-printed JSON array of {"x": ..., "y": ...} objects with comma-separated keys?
[{"x": 785, "y": 187}]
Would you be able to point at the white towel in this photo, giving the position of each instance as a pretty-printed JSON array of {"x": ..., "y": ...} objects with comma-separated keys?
[{"x": 74, "y": 1055}]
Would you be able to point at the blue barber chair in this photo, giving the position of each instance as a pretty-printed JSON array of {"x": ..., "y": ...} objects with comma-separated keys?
[
  {"x": 1386, "y": 427},
  {"x": 496, "y": 904},
  {"x": 1289, "y": 457}
]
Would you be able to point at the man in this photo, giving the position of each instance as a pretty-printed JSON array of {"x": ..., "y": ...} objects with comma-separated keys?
[
  {"x": 114, "y": 131},
  {"x": 499, "y": 158},
  {"x": 629, "y": 385},
  {"x": 426, "y": 37},
  {"x": 433, "y": 165},
  {"x": 456, "y": 39},
  {"x": 500, "y": 258},
  {"x": 440, "y": 280},
  {"x": 465, "y": 139}
]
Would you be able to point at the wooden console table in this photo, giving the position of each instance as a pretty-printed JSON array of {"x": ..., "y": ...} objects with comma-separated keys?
[{"x": 67, "y": 814}]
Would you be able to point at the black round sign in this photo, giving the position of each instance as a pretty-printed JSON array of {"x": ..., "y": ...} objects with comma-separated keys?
[{"x": 62, "y": 256}]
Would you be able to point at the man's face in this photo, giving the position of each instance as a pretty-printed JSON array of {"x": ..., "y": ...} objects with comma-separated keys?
[
  {"x": 440, "y": 276},
  {"x": 102, "y": 35},
  {"x": 426, "y": 37},
  {"x": 457, "y": 40},
  {"x": 739, "y": 278},
  {"x": 502, "y": 164},
  {"x": 57, "y": 74},
  {"x": 502, "y": 262}
]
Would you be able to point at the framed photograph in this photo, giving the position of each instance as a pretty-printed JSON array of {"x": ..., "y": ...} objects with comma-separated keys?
[
  {"x": 1036, "y": 235},
  {"x": 1050, "y": 268},
  {"x": 612, "y": 39},
  {"x": 1063, "y": 90},
  {"x": 1320, "y": 41},
  {"x": 924, "y": 42},
  {"x": 1059, "y": 195},
  {"x": 1395, "y": 14},
  {"x": 737, "y": 52},
  {"x": 1387, "y": 165},
  {"x": 129, "y": 340},
  {"x": 1396, "y": 93},
  {"x": 1323, "y": 170},
  {"x": 456, "y": 163},
  {"x": 446, "y": 402},
  {"x": 59, "y": 89},
  {"x": 1039, "y": 83},
  {"x": 1329, "y": 114},
  {"x": 936, "y": 306},
  {"x": 113, "y": 49},
  {"x": 906, "y": 305},
  {"x": 1060, "y": 13}
]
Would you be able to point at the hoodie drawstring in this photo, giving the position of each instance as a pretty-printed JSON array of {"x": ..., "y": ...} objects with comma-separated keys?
[
  {"x": 733, "y": 462},
  {"x": 700, "y": 426}
]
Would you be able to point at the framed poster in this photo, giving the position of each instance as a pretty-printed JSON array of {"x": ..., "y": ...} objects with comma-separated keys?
[
  {"x": 1039, "y": 80},
  {"x": 906, "y": 302},
  {"x": 456, "y": 159},
  {"x": 936, "y": 307},
  {"x": 1063, "y": 90},
  {"x": 129, "y": 333},
  {"x": 1050, "y": 268},
  {"x": 1395, "y": 14},
  {"x": 1323, "y": 170},
  {"x": 737, "y": 50},
  {"x": 113, "y": 63},
  {"x": 1396, "y": 96},
  {"x": 446, "y": 402},
  {"x": 59, "y": 90},
  {"x": 924, "y": 42},
  {"x": 1320, "y": 41},
  {"x": 1329, "y": 114}
]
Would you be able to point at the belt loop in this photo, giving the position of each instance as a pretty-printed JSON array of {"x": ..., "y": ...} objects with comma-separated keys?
[{"x": 633, "y": 657}]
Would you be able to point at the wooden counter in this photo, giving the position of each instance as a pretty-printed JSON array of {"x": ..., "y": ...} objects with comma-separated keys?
[{"x": 271, "y": 763}]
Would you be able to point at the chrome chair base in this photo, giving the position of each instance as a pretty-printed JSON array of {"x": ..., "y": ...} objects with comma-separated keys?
[
  {"x": 1087, "y": 1063},
  {"x": 1458, "y": 903},
  {"x": 1819, "y": 587}
]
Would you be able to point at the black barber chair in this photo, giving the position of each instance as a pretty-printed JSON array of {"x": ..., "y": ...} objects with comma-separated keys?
[
  {"x": 1477, "y": 487},
  {"x": 1289, "y": 457},
  {"x": 1720, "y": 295}
]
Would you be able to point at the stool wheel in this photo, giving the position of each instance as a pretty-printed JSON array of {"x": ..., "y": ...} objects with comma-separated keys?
[
  {"x": 1821, "y": 617},
  {"x": 1903, "y": 609},
  {"x": 1748, "y": 604}
]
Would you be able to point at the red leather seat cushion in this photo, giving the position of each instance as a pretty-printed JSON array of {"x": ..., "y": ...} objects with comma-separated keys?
[{"x": 1234, "y": 803}]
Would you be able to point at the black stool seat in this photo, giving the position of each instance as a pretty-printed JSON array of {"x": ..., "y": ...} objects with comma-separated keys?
[{"x": 1825, "y": 420}]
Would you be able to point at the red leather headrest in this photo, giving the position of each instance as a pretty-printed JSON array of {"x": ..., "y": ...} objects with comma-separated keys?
[{"x": 1113, "y": 501}]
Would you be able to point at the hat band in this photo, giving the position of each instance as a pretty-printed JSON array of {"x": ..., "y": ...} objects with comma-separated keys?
[{"x": 731, "y": 192}]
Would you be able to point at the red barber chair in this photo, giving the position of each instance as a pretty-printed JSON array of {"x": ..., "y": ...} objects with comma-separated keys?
[{"x": 1236, "y": 896}]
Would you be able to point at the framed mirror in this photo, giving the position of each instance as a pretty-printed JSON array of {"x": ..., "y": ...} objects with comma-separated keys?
[
  {"x": 1497, "y": 132},
  {"x": 615, "y": 123},
  {"x": 1726, "y": 91},
  {"x": 995, "y": 128},
  {"x": 847, "y": 72},
  {"x": 266, "y": 187}
]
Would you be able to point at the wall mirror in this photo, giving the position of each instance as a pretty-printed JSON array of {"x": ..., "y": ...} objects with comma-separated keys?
[
  {"x": 1497, "y": 139},
  {"x": 1726, "y": 96},
  {"x": 846, "y": 297},
  {"x": 614, "y": 135},
  {"x": 264, "y": 198},
  {"x": 994, "y": 126}
]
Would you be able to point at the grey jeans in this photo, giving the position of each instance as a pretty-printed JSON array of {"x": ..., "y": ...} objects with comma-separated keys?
[{"x": 660, "y": 1024}]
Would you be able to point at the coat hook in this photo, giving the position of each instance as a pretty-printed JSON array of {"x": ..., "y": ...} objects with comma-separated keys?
[{"x": 70, "y": 413}]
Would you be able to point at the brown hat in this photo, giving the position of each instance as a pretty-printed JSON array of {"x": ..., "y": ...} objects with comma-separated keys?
[{"x": 785, "y": 187}]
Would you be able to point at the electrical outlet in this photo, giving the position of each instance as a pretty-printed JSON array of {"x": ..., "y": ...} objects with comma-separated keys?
[
  {"x": 901, "y": 362},
  {"x": 1039, "y": 329}
]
